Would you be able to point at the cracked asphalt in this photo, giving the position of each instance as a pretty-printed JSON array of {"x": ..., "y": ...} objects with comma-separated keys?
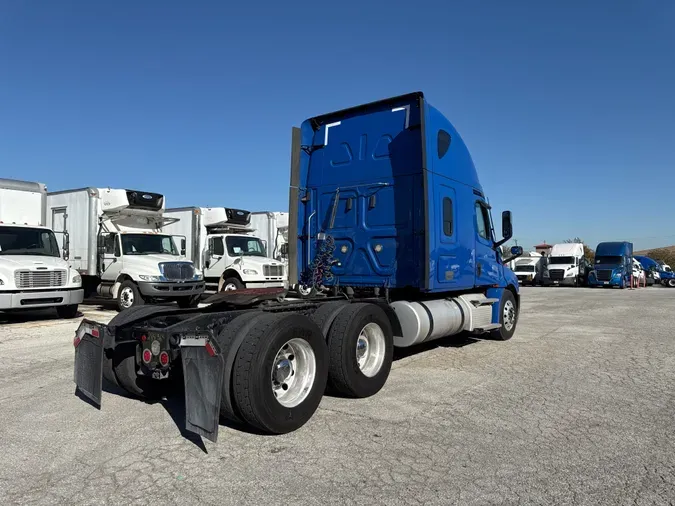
[{"x": 577, "y": 408}]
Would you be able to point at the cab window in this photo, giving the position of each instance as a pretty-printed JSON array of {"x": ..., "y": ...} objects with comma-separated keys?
[{"x": 482, "y": 221}]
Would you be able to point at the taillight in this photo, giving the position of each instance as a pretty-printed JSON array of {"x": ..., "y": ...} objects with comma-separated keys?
[
  {"x": 147, "y": 356},
  {"x": 164, "y": 358},
  {"x": 144, "y": 337}
]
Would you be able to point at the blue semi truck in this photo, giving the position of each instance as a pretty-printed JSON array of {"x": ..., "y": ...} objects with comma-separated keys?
[
  {"x": 613, "y": 265},
  {"x": 387, "y": 215}
]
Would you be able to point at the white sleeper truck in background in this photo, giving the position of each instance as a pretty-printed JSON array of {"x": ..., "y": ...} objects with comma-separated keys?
[
  {"x": 33, "y": 275},
  {"x": 566, "y": 265},
  {"x": 226, "y": 247},
  {"x": 117, "y": 245}
]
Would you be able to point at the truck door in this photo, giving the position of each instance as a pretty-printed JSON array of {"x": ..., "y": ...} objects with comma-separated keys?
[
  {"x": 487, "y": 267},
  {"x": 111, "y": 260}
]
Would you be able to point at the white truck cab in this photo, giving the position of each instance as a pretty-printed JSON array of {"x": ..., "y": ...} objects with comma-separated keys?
[
  {"x": 227, "y": 248},
  {"x": 566, "y": 265},
  {"x": 528, "y": 268},
  {"x": 33, "y": 275},
  {"x": 118, "y": 246}
]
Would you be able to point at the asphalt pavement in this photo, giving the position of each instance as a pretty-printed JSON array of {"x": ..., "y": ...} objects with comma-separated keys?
[{"x": 577, "y": 408}]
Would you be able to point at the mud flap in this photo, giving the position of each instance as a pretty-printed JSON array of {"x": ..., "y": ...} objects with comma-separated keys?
[
  {"x": 203, "y": 374},
  {"x": 89, "y": 361}
]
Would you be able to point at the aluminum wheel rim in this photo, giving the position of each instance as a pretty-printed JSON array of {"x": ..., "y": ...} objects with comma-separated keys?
[
  {"x": 127, "y": 297},
  {"x": 293, "y": 372},
  {"x": 509, "y": 315},
  {"x": 370, "y": 349},
  {"x": 304, "y": 290},
  {"x": 230, "y": 287}
]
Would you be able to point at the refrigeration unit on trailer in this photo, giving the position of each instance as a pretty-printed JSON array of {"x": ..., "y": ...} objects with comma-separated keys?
[
  {"x": 613, "y": 265},
  {"x": 225, "y": 246},
  {"x": 33, "y": 274},
  {"x": 117, "y": 245},
  {"x": 566, "y": 265},
  {"x": 387, "y": 210}
]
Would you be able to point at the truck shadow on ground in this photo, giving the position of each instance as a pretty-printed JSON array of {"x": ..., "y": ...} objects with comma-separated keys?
[{"x": 33, "y": 316}]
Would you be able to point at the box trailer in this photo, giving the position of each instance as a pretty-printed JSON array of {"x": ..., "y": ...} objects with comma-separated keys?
[
  {"x": 33, "y": 274},
  {"x": 118, "y": 247}
]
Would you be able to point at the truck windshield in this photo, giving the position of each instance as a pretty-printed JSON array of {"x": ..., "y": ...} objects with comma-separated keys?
[
  {"x": 241, "y": 245},
  {"x": 525, "y": 268},
  {"x": 561, "y": 260},
  {"x": 610, "y": 260},
  {"x": 28, "y": 241},
  {"x": 148, "y": 244}
]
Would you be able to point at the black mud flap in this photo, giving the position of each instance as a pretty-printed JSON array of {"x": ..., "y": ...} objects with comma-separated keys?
[
  {"x": 89, "y": 361},
  {"x": 203, "y": 373}
]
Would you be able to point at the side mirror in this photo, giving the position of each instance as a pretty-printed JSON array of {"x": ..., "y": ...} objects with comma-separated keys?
[
  {"x": 284, "y": 249},
  {"x": 66, "y": 246},
  {"x": 183, "y": 246},
  {"x": 507, "y": 227},
  {"x": 516, "y": 251}
]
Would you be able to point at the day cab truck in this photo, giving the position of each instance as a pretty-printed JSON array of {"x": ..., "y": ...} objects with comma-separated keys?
[
  {"x": 613, "y": 265},
  {"x": 226, "y": 248},
  {"x": 118, "y": 247},
  {"x": 33, "y": 275},
  {"x": 385, "y": 208},
  {"x": 566, "y": 265}
]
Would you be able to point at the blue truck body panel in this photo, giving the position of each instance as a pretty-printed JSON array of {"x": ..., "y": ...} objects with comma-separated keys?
[
  {"x": 394, "y": 187},
  {"x": 613, "y": 264}
]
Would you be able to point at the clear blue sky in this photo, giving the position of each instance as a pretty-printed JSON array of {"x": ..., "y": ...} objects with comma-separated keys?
[{"x": 568, "y": 108}]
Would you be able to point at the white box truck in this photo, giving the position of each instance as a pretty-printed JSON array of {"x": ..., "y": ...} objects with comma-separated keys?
[
  {"x": 227, "y": 249},
  {"x": 117, "y": 245},
  {"x": 32, "y": 273},
  {"x": 272, "y": 228},
  {"x": 566, "y": 265}
]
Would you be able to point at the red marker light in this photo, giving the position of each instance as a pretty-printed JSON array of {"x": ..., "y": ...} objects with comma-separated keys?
[
  {"x": 147, "y": 356},
  {"x": 164, "y": 358},
  {"x": 144, "y": 337},
  {"x": 209, "y": 349},
  {"x": 76, "y": 341},
  {"x": 94, "y": 332}
]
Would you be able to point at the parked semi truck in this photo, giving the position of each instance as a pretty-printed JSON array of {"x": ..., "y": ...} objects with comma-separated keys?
[
  {"x": 117, "y": 246},
  {"x": 33, "y": 275},
  {"x": 386, "y": 209},
  {"x": 566, "y": 265},
  {"x": 613, "y": 265},
  {"x": 226, "y": 248}
]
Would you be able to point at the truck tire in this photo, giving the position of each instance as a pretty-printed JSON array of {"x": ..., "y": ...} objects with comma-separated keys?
[
  {"x": 189, "y": 302},
  {"x": 508, "y": 317},
  {"x": 124, "y": 367},
  {"x": 129, "y": 296},
  {"x": 67, "y": 312},
  {"x": 325, "y": 315},
  {"x": 305, "y": 292},
  {"x": 361, "y": 349},
  {"x": 671, "y": 283},
  {"x": 230, "y": 284},
  {"x": 280, "y": 373}
]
